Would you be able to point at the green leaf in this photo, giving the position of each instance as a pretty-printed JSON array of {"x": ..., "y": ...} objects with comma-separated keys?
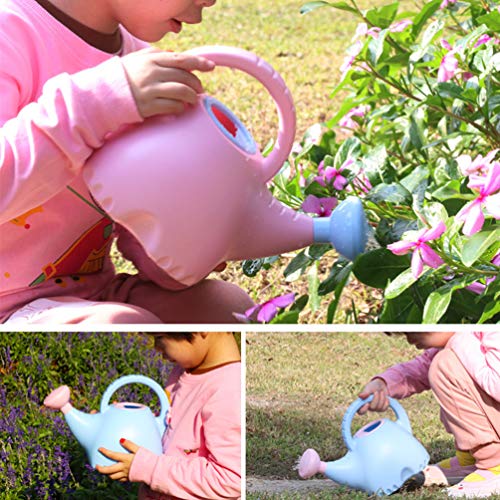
[
  {"x": 478, "y": 244},
  {"x": 400, "y": 284},
  {"x": 490, "y": 311},
  {"x": 450, "y": 190},
  {"x": 286, "y": 317},
  {"x": 376, "y": 47},
  {"x": 300, "y": 303},
  {"x": 438, "y": 301},
  {"x": 332, "y": 306},
  {"x": 309, "y": 6},
  {"x": 313, "y": 283},
  {"x": 400, "y": 309},
  {"x": 339, "y": 271},
  {"x": 390, "y": 193},
  {"x": 492, "y": 20},
  {"x": 425, "y": 13},
  {"x": 382, "y": 16},
  {"x": 251, "y": 267},
  {"x": 377, "y": 267},
  {"x": 349, "y": 149}
]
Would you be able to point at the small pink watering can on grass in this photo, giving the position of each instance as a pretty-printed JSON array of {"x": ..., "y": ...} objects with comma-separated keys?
[
  {"x": 381, "y": 456},
  {"x": 192, "y": 188},
  {"x": 132, "y": 421}
]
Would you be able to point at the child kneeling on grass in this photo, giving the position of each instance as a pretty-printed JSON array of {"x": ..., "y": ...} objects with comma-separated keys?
[
  {"x": 202, "y": 444},
  {"x": 463, "y": 372}
]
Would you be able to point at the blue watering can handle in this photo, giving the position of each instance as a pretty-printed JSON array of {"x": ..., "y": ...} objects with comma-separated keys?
[
  {"x": 137, "y": 379},
  {"x": 402, "y": 418}
]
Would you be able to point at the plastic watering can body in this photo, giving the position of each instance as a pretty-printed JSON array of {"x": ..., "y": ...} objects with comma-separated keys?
[
  {"x": 132, "y": 421},
  {"x": 199, "y": 180},
  {"x": 381, "y": 456}
]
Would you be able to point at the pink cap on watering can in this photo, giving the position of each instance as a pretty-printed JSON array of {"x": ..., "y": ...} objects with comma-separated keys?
[{"x": 192, "y": 189}]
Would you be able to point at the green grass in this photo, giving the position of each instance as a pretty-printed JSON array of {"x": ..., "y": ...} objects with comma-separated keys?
[{"x": 298, "y": 388}]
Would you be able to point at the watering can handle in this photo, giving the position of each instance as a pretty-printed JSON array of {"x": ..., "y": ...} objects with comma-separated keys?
[
  {"x": 402, "y": 418},
  {"x": 137, "y": 379},
  {"x": 253, "y": 65}
]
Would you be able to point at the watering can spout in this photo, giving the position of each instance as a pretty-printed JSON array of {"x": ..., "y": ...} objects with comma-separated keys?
[
  {"x": 346, "y": 229},
  {"x": 342, "y": 471},
  {"x": 84, "y": 426}
]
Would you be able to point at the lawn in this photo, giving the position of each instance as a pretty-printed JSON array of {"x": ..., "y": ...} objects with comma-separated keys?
[
  {"x": 298, "y": 388},
  {"x": 307, "y": 51}
]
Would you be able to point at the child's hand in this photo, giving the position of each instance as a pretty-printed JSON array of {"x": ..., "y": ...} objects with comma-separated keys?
[
  {"x": 162, "y": 82},
  {"x": 119, "y": 471},
  {"x": 380, "y": 401}
]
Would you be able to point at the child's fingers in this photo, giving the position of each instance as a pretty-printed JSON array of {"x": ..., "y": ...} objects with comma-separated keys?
[
  {"x": 113, "y": 455},
  {"x": 183, "y": 61},
  {"x": 129, "y": 445},
  {"x": 176, "y": 91},
  {"x": 184, "y": 79}
]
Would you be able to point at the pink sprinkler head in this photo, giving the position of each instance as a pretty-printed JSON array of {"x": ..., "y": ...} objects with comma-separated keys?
[
  {"x": 58, "y": 399},
  {"x": 310, "y": 464}
]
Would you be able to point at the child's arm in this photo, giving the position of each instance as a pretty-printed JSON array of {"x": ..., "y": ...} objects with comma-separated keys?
[
  {"x": 405, "y": 379},
  {"x": 479, "y": 352},
  {"x": 218, "y": 475},
  {"x": 45, "y": 143}
]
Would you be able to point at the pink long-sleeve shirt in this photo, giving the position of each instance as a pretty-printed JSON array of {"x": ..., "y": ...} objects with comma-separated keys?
[
  {"x": 202, "y": 444},
  {"x": 59, "y": 100},
  {"x": 479, "y": 352}
]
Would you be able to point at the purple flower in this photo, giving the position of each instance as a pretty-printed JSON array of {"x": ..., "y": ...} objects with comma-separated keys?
[
  {"x": 332, "y": 175},
  {"x": 447, "y": 68},
  {"x": 320, "y": 206},
  {"x": 487, "y": 186},
  {"x": 400, "y": 26},
  {"x": 265, "y": 312},
  {"x": 422, "y": 253}
]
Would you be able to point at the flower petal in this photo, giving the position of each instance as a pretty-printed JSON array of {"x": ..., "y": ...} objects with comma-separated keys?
[
  {"x": 282, "y": 300},
  {"x": 430, "y": 257},
  {"x": 416, "y": 264},
  {"x": 311, "y": 204},
  {"x": 401, "y": 247},
  {"x": 434, "y": 232},
  {"x": 474, "y": 220},
  {"x": 492, "y": 204},
  {"x": 267, "y": 313}
]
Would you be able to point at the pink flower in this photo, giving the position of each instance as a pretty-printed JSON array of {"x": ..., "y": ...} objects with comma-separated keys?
[
  {"x": 482, "y": 40},
  {"x": 479, "y": 165},
  {"x": 472, "y": 213},
  {"x": 467, "y": 75},
  {"x": 362, "y": 30},
  {"x": 359, "y": 111},
  {"x": 445, "y": 44},
  {"x": 332, "y": 175},
  {"x": 447, "y": 68},
  {"x": 422, "y": 253},
  {"x": 320, "y": 206},
  {"x": 353, "y": 51},
  {"x": 400, "y": 26},
  {"x": 447, "y": 3},
  {"x": 361, "y": 182},
  {"x": 265, "y": 312}
]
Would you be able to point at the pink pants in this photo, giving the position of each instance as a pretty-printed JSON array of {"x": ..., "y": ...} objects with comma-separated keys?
[
  {"x": 467, "y": 411},
  {"x": 132, "y": 300}
]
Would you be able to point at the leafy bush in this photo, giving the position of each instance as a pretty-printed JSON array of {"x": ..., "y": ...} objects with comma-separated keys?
[
  {"x": 39, "y": 457},
  {"x": 416, "y": 138}
]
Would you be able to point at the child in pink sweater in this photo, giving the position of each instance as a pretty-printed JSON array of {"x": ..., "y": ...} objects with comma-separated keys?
[
  {"x": 463, "y": 372},
  {"x": 202, "y": 444},
  {"x": 71, "y": 74}
]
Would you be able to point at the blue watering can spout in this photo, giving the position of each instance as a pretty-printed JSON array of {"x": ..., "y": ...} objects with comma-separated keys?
[
  {"x": 346, "y": 229},
  {"x": 84, "y": 426},
  {"x": 345, "y": 471}
]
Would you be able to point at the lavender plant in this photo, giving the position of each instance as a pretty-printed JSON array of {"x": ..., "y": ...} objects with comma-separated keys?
[
  {"x": 39, "y": 457},
  {"x": 417, "y": 139}
]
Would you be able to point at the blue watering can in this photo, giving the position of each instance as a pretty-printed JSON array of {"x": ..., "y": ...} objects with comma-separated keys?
[
  {"x": 381, "y": 456},
  {"x": 132, "y": 421}
]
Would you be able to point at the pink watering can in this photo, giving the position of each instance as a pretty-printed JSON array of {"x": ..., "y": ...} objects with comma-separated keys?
[{"x": 192, "y": 188}]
